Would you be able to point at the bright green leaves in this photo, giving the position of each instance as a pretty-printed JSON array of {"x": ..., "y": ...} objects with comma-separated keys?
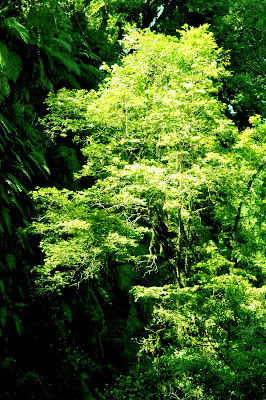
[
  {"x": 174, "y": 196},
  {"x": 158, "y": 104},
  {"x": 153, "y": 119},
  {"x": 81, "y": 237},
  {"x": 216, "y": 329},
  {"x": 67, "y": 112},
  {"x": 161, "y": 95},
  {"x": 162, "y": 156}
]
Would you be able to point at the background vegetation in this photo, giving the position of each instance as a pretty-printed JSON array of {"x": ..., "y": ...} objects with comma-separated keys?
[{"x": 132, "y": 199}]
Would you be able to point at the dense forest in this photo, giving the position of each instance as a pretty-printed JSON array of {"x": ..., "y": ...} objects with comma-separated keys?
[{"x": 132, "y": 199}]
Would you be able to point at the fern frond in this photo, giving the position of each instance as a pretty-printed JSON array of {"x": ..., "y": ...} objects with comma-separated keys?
[
  {"x": 2, "y": 287},
  {"x": 73, "y": 82},
  {"x": 7, "y": 129},
  {"x": 13, "y": 66},
  {"x": 4, "y": 86},
  {"x": 18, "y": 206},
  {"x": 45, "y": 81},
  {"x": 89, "y": 54},
  {"x": 22, "y": 169},
  {"x": 11, "y": 261},
  {"x": 39, "y": 161},
  {"x": 3, "y": 192},
  {"x": 17, "y": 29},
  {"x": 68, "y": 62},
  {"x": 62, "y": 43},
  {"x": 18, "y": 185},
  {"x": 90, "y": 69},
  {"x": 5, "y": 214},
  {"x": 63, "y": 58},
  {"x": 3, "y": 55}
]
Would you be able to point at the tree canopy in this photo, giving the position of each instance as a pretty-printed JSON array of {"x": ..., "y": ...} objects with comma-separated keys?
[{"x": 173, "y": 194}]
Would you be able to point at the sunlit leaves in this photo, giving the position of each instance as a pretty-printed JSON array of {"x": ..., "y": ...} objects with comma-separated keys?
[
  {"x": 154, "y": 117},
  {"x": 80, "y": 236},
  {"x": 175, "y": 193}
]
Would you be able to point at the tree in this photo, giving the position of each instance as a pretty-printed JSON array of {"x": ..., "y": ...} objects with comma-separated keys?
[{"x": 173, "y": 203}]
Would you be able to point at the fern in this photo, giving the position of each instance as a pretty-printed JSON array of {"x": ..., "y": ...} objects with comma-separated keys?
[
  {"x": 90, "y": 70},
  {"x": 18, "y": 205},
  {"x": 17, "y": 29},
  {"x": 68, "y": 62}
]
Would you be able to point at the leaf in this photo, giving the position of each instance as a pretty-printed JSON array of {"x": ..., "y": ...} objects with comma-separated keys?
[
  {"x": 21, "y": 304},
  {"x": 11, "y": 261},
  {"x": 22, "y": 169},
  {"x": 261, "y": 21},
  {"x": 3, "y": 55},
  {"x": 62, "y": 43},
  {"x": 7, "y": 127},
  {"x": 4, "y": 86},
  {"x": 3, "y": 316},
  {"x": 6, "y": 216},
  {"x": 18, "y": 324},
  {"x": 3, "y": 193},
  {"x": 13, "y": 67},
  {"x": 16, "y": 182},
  {"x": 39, "y": 161},
  {"x": 2, "y": 287}
]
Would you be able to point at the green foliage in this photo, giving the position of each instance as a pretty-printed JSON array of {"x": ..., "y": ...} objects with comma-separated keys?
[
  {"x": 207, "y": 331},
  {"x": 239, "y": 27},
  {"x": 84, "y": 241},
  {"x": 10, "y": 67},
  {"x": 175, "y": 196},
  {"x": 128, "y": 119},
  {"x": 166, "y": 242}
]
